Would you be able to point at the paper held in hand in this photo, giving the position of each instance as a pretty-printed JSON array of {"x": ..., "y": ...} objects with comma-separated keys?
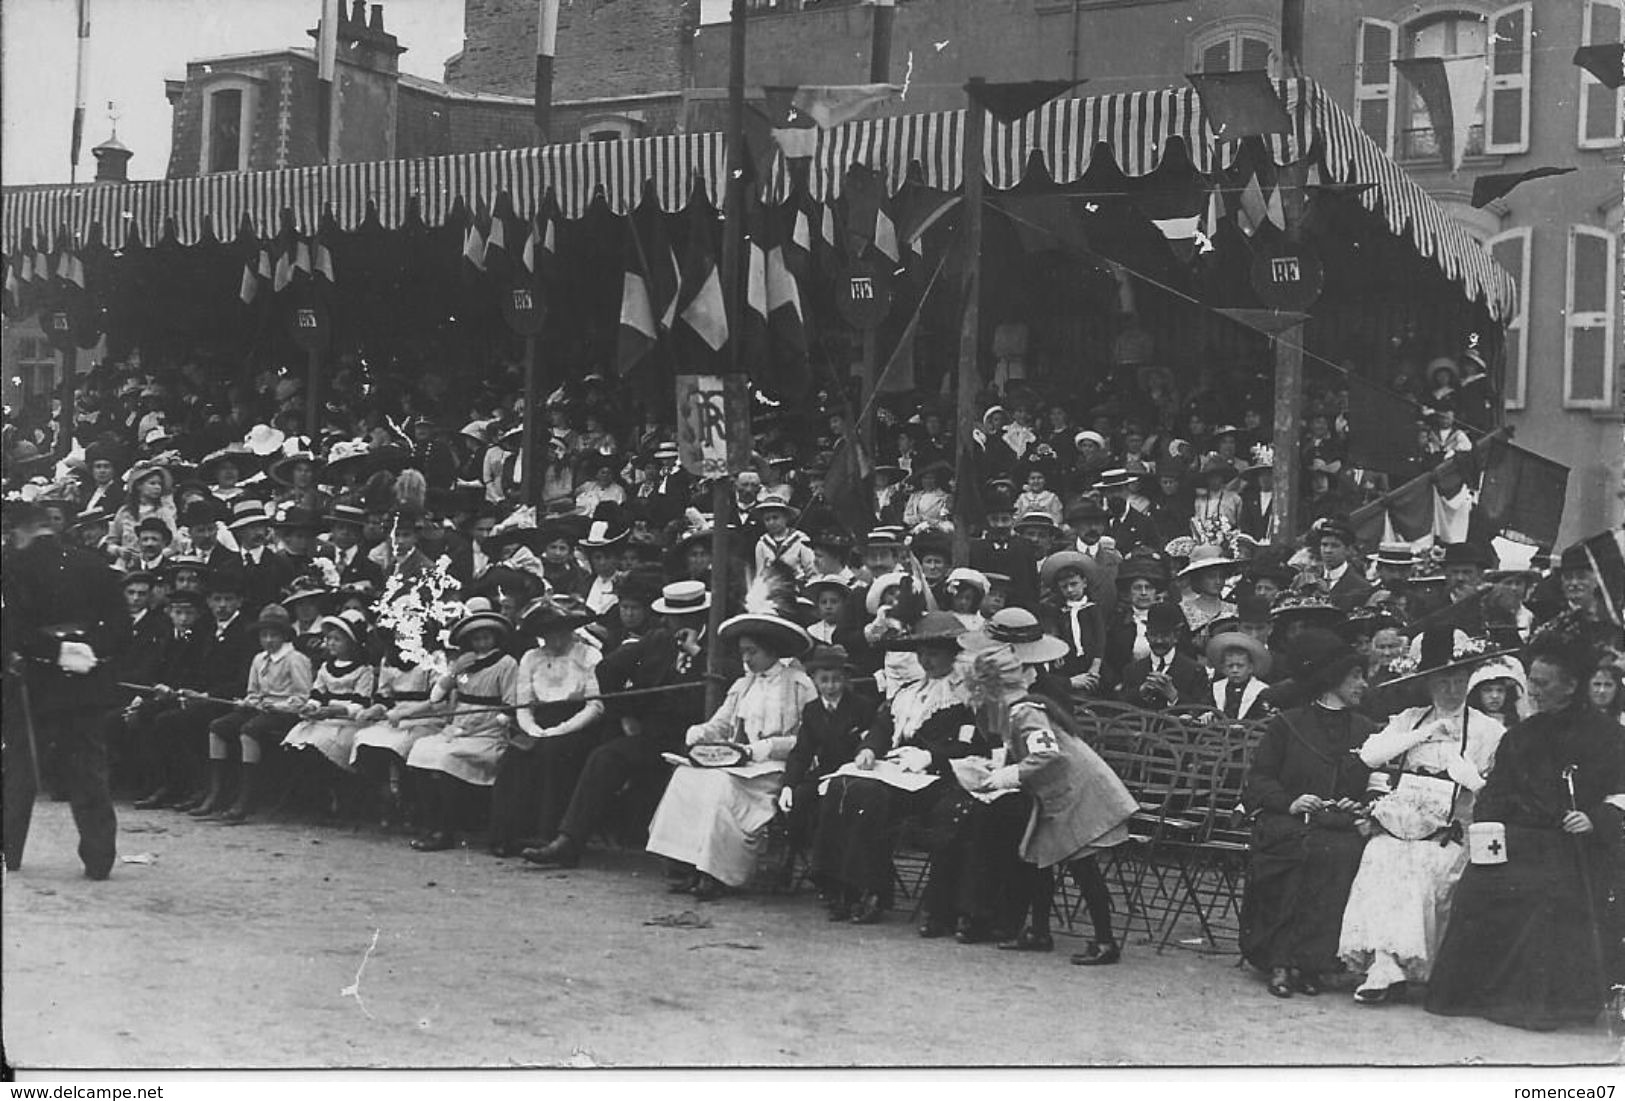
[
  {"x": 887, "y": 773},
  {"x": 744, "y": 772}
]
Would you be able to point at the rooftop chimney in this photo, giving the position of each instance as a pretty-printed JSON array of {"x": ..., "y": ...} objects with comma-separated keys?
[
  {"x": 358, "y": 13},
  {"x": 376, "y": 24}
]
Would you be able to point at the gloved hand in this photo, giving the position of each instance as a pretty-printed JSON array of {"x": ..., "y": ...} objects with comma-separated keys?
[
  {"x": 1462, "y": 772},
  {"x": 911, "y": 758},
  {"x": 787, "y": 799}
]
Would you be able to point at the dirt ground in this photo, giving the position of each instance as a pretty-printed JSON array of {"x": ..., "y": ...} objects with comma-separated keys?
[{"x": 288, "y": 944}]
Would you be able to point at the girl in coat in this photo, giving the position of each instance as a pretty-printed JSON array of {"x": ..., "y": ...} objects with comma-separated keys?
[{"x": 1069, "y": 801}]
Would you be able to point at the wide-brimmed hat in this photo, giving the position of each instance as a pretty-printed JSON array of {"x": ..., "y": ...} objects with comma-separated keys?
[
  {"x": 783, "y": 637},
  {"x": 931, "y": 541},
  {"x": 940, "y": 467},
  {"x": 352, "y": 622},
  {"x": 833, "y": 656},
  {"x": 1442, "y": 649},
  {"x": 1089, "y": 435},
  {"x": 246, "y": 511},
  {"x": 1141, "y": 566},
  {"x": 682, "y": 598},
  {"x": 145, "y": 469},
  {"x": 275, "y": 617},
  {"x": 1501, "y": 667},
  {"x": 280, "y": 470},
  {"x": 1322, "y": 658},
  {"x": 964, "y": 575},
  {"x": 1208, "y": 557},
  {"x": 92, "y": 516},
  {"x": 238, "y": 455},
  {"x": 1020, "y": 630},
  {"x": 933, "y": 631},
  {"x": 830, "y": 539},
  {"x": 1513, "y": 559},
  {"x": 604, "y": 534},
  {"x": 107, "y": 451},
  {"x": 1236, "y": 640},
  {"x": 1304, "y": 606},
  {"x": 481, "y": 616},
  {"x": 771, "y": 502},
  {"x": 1052, "y": 567},
  {"x": 559, "y": 612},
  {"x": 1442, "y": 363},
  {"x": 1262, "y": 460},
  {"x": 305, "y": 588}
]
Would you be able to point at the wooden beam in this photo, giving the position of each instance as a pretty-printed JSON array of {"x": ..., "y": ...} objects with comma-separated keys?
[{"x": 970, "y": 330}]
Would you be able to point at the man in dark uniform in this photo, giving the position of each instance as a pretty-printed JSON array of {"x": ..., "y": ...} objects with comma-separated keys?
[{"x": 63, "y": 609}]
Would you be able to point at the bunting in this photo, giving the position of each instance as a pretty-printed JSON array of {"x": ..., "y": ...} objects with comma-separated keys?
[
  {"x": 1452, "y": 89},
  {"x": 1240, "y": 104},
  {"x": 1490, "y": 187},
  {"x": 1011, "y": 102},
  {"x": 699, "y": 303}
]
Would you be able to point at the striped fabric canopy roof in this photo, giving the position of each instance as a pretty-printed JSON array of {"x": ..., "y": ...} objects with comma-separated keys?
[{"x": 1135, "y": 126}]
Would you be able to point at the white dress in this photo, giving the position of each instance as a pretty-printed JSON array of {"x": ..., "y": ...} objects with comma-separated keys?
[
  {"x": 471, "y": 746},
  {"x": 712, "y": 818},
  {"x": 349, "y": 685},
  {"x": 399, "y": 686},
  {"x": 1400, "y": 900}
]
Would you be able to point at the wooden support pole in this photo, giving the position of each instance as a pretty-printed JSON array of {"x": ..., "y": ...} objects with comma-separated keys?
[
  {"x": 866, "y": 406},
  {"x": 313, "y": 397},
  {"x": 547, "y": 36},
  {"x": 68, "y": 390},
  {"x": 970, "y": 330},
  {"x": 885, "y": 13},
  {"x": 1288, "y": 344},
  {"x": 530, "y": 486},
  {"x": 733, "y": 240}
]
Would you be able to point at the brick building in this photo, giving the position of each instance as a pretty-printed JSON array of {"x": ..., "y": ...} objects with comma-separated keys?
[{"x": 258, "y": 111}]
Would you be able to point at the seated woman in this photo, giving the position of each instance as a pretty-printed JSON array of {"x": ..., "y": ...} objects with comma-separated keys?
[
  {"x": 557, "y": 726},
  {"x": 712, "y": 819},
  {"x": 1436, "y": 759},
  {"x": 1305, "y": 785},
  {"x": 1051, "y": 801},
  {"x": 481, "y": 682},
  {"x": 342, "y": 690},
  {"x": 399, "y": 714},
  {"x": 832, "y": 729},
  {"x": 1522, "y": 946},
  {"x": 919, "y": 731}
]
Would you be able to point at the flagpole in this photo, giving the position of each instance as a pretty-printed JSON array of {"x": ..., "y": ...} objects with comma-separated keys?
[
  {"x": 970, "y": 332},
  {"x": 81, "y": 91},
  {"x": 313, "y": 397},
  {"x": 547, "y": 39}
]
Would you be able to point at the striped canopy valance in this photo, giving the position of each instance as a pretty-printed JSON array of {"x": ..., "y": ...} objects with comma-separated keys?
[{"x": 1064, "y": 134}]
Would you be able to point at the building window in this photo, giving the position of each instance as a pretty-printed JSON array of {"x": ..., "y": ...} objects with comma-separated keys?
[
  {"x": 1235, "y": 45},
  {"x": 228, "y": 112},
  {"x": 612, "y": 128},
  {"x": 1592, "y": 301},
  {"x": 1600, "y": 105},
  {"x": 1512, "y": 251},
  {"x": 1499, "y": 122}
]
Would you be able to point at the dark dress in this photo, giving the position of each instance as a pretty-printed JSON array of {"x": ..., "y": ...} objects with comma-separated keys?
[
  {"x": 1299, "y": 874},
  {"x": 1521, "y": 948}
]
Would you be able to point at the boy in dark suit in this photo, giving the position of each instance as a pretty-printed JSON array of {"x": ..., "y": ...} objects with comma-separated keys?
[{"x": 832, "y": 729}]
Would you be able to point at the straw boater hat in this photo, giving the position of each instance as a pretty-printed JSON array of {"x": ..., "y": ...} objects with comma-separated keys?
[
  {"x": 347, "y": 514},
  {"x": 827, "y": 581},
  {"x": 1118, "y": 478},
  {"x": 1236, "y": 640},
  {"x": 560, "y": 612},
  {"x": 934, "y": 631},
  {"x": 1396, "y": 554},
  {"x": 783, "y": 637},
  {"x": 1443, "y": 649},
  {"x": 1020, "y": 630},
  {"x": 1036, "y": 518},
  {"x": 480, "y": 616},
  {"x": 884, "y": 535},
  {"x": 682, "y": 598},
  {"x": 351, "y": 622},
  {"x": 246, "y": 512}
]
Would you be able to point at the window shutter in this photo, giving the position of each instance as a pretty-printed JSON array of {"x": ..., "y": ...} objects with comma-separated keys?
[
  {"x": 1588, "y": 350},
  {"x": 1216, "y": 58},
  {"x": 1374, "y": 81},
  {"x": 1600, "y": 105},
  {"x": 1511, "y": 250},
  {"x": 1506, "y": 115},
  {"x": 1255, "y": 53}
]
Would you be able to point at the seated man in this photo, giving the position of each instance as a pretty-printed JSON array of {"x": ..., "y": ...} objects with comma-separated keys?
[{"x": 1167, "y": 677}]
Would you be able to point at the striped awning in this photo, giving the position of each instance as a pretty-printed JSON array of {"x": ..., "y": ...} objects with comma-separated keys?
[{"x": 1064, "y": 134}]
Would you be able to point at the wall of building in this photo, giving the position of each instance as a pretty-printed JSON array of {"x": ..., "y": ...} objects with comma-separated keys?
[{"x": 606, "y": 48}]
